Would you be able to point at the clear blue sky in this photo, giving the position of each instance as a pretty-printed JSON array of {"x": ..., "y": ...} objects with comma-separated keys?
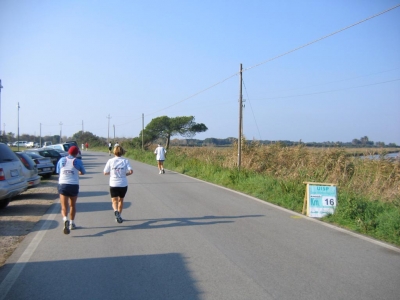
[{"x": 78, "y": 62}]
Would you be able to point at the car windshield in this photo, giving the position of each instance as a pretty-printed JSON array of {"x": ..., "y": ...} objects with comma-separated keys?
[
  {"x": 49, "y": 152},
  {"x": 72, "y": 143},
  {"x": 33, "y": 155},
  {"x": 6, "y": 155},
  {"x": 26, "y": 160}
]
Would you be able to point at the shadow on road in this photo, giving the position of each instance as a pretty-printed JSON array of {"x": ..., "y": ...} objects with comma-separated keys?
[
  {"x": 158, "y": 276},
  {"x": 84, "y": 207},
  {"x": 167, "y": 222}
]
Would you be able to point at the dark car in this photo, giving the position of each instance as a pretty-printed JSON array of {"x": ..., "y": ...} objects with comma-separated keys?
[
  {"x": 44, "y": 165},
  {"x": 48, "y": 152},
  {"x": 30, "y": 172},
  {"x": 72, "y": 142},
  {"x": 62, "y": 152},
  {"x": 12, "y": 179}
]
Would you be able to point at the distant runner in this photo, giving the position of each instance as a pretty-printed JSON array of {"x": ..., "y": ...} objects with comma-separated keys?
[{"x": 160, "y": 157}]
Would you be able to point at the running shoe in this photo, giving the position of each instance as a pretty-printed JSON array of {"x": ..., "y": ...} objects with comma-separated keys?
[
  {"x": 163, "y": 171},
  {"x": 66, "y": 227},
  {"x": 118, "y": 217},
  {"x": 160, "y": 172},
  {"x": 72, "y": 226}
]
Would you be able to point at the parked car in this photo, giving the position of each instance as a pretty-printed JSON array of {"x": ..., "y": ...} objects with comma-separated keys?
[
  {"x": 44, "y": 165},
  {"x": 47, "y": 143},
  {"x": 30, "y": 170},
  {"x": 20, "y": 143},
  {"x": 65, "y": 147},
  {"x": 62, "y": 152},
  {"x": 47, "y": 152},
  {"x": 72, "y": 142},
  {"x": 32, "y": 145},
  {"x": 12, "y": 180}
]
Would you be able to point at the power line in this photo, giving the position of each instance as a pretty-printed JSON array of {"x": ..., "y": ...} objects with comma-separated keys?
[
  {"x": 279, "y": 56},
  {"x": 254, "y": 117},
  {"x": 340, "y": 80},
  {"x": 322, "y": 38},
  {"x": 202, "y": 91},
  {"x": 330, "y": 91}
]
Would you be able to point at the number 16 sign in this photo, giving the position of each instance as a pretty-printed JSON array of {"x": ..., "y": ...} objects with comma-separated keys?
[{"x": 320, "y": 199}]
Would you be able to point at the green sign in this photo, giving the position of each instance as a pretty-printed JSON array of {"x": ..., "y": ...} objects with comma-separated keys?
[{"x": 322, "y": 200}]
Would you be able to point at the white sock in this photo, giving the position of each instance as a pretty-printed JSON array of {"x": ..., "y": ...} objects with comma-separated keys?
[
  {"x": 65, "y": 219},
  {"x": 71, "y": 222}
]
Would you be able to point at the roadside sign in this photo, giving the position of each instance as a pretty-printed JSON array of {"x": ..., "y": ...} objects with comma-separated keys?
[{"x": 320, "y": 199}]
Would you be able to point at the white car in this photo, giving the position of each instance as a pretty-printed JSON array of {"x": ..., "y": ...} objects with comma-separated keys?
[
  {"x": 12, "y": 180},
  {"x": 32, "y": 145},
  {"x": 20, "y": 144},
  {"x": 65, "y": 147}
]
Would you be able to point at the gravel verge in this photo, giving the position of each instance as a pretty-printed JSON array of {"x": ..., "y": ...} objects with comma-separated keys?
[{"x": 22, "y": 214}]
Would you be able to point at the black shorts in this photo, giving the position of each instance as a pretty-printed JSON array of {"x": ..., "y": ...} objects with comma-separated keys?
[
  {"x": 109, "y": 148},
  {"x": 70, "y": 190},
  {"x": 116, "y": 191}
]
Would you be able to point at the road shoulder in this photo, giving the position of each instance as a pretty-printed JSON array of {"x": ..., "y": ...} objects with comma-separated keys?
[{"x": 22, "y": 214}]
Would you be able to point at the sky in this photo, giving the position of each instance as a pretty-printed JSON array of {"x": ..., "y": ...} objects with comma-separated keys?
[{"x": 109, "y": 67}]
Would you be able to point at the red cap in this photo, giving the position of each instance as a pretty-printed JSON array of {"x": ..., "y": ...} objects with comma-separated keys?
[{"x": 73, "y": 150}]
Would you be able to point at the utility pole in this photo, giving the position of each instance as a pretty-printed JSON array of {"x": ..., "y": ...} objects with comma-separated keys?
[
  {"x": 108, "y": 135},
  {"x": 240, "y": 118},
  {"x": 114, "y": 131},
  {"x": 60, "y": 131},
  {"x": 40, "y": 137},
  {"x": 142, "y": 131},
  {"x": 82, "y": 126},
  {"x": 18, "y": 126},
  {"x": 0, "y": 104}
]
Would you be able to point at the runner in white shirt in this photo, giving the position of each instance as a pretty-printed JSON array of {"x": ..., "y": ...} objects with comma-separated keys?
[
  {"x": 109, "y": 148},
  {"x": 160, "y": 153},
  {"x": 69, "y": 168},
  {"x": 118, "y": 168}
]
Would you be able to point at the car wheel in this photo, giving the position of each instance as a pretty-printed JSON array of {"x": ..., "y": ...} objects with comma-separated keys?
[{"x": 4, "y": 203}]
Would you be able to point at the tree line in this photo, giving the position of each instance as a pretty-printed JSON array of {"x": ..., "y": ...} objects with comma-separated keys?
[{"x": 162, "y": 129}]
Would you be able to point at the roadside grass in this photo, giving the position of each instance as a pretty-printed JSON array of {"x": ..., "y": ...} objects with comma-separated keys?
[{"x": 368, "y": 190}]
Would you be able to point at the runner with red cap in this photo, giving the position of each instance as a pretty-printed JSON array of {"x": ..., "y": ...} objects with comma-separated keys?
[{"x": 69, "y": 168}]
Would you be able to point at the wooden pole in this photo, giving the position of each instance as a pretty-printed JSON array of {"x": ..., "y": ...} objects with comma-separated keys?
[
  {"x": 240, "y": 118},
  {"x": 142, "y": 131}
]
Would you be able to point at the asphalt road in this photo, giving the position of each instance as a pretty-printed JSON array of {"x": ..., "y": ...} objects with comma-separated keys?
[{"x": 187, "y": 239}]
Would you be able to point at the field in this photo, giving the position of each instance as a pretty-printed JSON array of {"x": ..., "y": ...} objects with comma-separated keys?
[{"x": 368, "y": 189}]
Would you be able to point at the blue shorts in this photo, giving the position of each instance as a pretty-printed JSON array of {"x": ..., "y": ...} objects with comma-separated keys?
[{"x": 70, "y": 190}]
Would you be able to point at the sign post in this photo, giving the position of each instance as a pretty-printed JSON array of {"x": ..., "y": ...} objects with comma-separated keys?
[{"x": 320, "y": 199}]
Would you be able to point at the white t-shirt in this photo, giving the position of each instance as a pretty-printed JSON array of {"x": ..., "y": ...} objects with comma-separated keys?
[
  {"x": 160, "y": 151},
  {"x": 68, "y": 173},
  {"x": 117, "y": 167}
]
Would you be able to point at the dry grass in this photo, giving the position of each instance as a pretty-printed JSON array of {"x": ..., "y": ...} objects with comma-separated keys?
[{"x": 376, "y": 179}]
